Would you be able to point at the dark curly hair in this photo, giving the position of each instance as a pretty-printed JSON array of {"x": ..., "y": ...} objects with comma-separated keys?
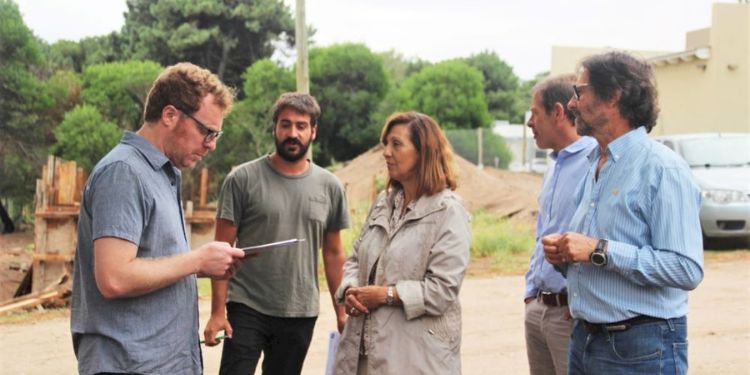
[{"x": 616, "y": 73}]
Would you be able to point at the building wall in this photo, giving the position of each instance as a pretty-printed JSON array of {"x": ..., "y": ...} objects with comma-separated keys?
[
  {"x": 714, "y": 94},
  {"x": 698, "y": 95},
  {"x": 565, "y": 60}
]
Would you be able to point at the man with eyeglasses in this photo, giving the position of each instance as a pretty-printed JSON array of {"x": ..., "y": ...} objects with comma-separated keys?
[
  {"x": 272, "y": 303},
  {"x": 547, "y": 319},
  {"x": 634, "y": 248},
  {"x": 135, "y": 299}
]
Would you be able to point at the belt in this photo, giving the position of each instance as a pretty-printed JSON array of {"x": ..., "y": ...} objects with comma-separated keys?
[
  {"x": 552, "y": 299},
  {"x": 624, "y": 325}
]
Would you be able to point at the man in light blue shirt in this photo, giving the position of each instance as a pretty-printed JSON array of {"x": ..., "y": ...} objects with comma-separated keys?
[
  {"x": 635, "y": 247},
  {"x": 547, "y": 321}
]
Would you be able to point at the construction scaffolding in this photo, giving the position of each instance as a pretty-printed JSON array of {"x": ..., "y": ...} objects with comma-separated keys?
[{"x": 48, "y": 281}]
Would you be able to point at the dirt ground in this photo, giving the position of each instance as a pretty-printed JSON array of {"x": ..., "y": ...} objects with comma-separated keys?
[{"x": 493, "y": 342}]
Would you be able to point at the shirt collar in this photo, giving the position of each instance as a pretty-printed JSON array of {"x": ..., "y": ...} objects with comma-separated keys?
[
  {"x": 155, "y": 158},
  {"x": 622, "y": 145},
  {"x": 581, "y": 144}
]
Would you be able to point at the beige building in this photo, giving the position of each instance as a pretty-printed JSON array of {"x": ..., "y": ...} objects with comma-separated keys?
[{"x": 706, "y": 87}]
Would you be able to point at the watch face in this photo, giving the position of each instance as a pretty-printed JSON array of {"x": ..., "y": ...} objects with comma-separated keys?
[{"x": 598, "y": 259}]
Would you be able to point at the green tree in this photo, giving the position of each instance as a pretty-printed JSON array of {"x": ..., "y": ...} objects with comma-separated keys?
[
  {"x": 119, "y": 90},
  {"x": 85, "y": 136},
  {"x": 452, "y": 92},
  {"x": 24, "y": 100},
  {"x": 465, "y": 143},
  {"x": 524, "y": 91},
  {"x": 399, "y": 68},
  {"x": 77, "y": 56},
  {"x": 500, "y": 86},
  {"x": 349, "y": 82},
  {"x": 64, "y": 88},
  {"x": 65, "y": 55},
  {"x": 225, "y": 36}
]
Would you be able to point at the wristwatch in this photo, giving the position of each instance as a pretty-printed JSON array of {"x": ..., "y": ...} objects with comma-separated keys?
[
  {"x": 389, "y": 296},
  {"x": 599, "y": 255}
]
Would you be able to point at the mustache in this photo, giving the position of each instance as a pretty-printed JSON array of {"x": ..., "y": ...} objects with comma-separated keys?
[{"x": 292, "y": 141}]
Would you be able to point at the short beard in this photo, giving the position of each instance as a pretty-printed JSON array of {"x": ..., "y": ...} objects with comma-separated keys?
[
  {"x": 583, "y": 128},
  {"x": 292, "y": 157}
]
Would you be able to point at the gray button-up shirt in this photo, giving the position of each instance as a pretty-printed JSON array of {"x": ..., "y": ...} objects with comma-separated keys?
[{"x": 133, "y": 194}]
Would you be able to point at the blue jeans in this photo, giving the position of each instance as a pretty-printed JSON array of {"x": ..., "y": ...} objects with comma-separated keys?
[{"x": 650, "y": 348}]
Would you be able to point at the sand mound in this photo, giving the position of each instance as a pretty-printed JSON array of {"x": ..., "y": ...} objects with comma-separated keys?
[{"x": 506, "y": 193}]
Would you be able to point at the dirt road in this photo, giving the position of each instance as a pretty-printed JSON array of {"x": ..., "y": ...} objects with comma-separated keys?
[{"x": 719, "y": 330}]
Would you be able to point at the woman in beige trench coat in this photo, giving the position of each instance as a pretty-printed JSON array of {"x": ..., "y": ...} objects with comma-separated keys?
[{"x": 401, "y": 282}]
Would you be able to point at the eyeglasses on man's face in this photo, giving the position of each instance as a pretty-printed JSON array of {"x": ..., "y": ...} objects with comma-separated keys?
[
  {"x": 210, "y": 134},
  {"x": 577, "y": 90}
]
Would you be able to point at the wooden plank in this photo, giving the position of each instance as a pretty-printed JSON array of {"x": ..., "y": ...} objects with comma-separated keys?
[
  {"x": 61, "y": 214},
  {"x": 54, "y": 258},
  {"x": 26, "y": 302},
  {"x": 66, "y": 182},
  {"x": 80, "y": 183}
]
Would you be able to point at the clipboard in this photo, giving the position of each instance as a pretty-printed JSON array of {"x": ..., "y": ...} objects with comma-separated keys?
[{"x": 257, "y": 249}]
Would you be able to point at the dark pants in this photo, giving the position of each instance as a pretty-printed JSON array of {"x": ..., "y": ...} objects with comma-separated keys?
[
  {"x": 283, "y": 341},
  {"x": 651, "y": 348}
]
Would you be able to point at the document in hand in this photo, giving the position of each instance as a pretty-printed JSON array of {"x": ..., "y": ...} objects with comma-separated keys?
[
  {"x": 256, "y": 249},
  {"x": 333, "y": 347}
]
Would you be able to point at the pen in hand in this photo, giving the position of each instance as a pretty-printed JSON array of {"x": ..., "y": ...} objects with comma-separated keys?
[{"x": 218, "y": 339}]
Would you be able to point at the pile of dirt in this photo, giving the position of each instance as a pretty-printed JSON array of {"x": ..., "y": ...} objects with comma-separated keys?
[
  {"x": 15, "y": 261},
  {"x": 509, "y": 194}
]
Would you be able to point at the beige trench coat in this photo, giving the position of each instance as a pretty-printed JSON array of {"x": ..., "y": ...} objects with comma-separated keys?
[{"x": 425, "y": 257}]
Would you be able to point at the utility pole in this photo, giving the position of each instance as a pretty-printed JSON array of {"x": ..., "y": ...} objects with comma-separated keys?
[
  {"x": 300, "y": 35},
  {"x": 525, "y": 143},
  {"x": 303, "y": 76}
]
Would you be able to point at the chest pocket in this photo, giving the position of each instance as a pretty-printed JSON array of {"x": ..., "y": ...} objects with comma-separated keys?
[{"x": 318, "y": 209}]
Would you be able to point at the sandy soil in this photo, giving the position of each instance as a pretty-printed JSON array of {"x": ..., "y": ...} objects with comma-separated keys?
[
  {"x": 719, "y": 329},
  {"x": 505, "y": 193}
]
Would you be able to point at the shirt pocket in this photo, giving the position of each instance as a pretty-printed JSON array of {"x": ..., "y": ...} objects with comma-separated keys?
[{"x": 318, "y": 209}]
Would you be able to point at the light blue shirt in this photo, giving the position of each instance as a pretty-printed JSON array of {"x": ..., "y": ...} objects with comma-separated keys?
[
  {"x": 556, "y": 208},
  {"x": 646, "y": 204}
]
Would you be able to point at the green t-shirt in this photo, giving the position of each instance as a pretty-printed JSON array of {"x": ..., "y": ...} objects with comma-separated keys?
[{"x": 267, "y": 206}]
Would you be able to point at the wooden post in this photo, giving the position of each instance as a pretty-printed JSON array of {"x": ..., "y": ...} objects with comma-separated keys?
[
  {"x": 56, "y": 219},
  {"x": 203, "y": 199}
]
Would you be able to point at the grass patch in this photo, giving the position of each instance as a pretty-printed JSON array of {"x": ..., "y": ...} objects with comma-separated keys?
[
  {"x": 204, "y": 287},
  {"x": 498, "y": 246},
  {"x": 507, "y": 244}
]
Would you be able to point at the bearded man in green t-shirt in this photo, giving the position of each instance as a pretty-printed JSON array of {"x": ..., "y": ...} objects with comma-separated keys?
[{"x": 272, "y": 303}]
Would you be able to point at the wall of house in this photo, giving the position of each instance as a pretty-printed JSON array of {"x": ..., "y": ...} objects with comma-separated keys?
[{"x": 699, "y": 95}]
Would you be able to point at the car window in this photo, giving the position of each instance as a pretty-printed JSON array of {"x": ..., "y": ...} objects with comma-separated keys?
[{"x": 717, "y": 151}]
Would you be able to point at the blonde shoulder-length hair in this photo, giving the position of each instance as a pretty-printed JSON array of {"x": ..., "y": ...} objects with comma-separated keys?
[{"x": 435, "y": 168}]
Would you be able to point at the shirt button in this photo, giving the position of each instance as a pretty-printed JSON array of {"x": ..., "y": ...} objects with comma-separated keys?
[
  {"x": 575, "y": 294},
  {"x": 593, "y": 204}
]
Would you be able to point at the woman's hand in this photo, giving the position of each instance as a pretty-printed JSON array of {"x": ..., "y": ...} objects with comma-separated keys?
[{"x": 363, "y": 299}]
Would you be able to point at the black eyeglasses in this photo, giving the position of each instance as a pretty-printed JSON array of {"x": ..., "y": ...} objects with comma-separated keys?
[
  {"x": 210, "y": 134},
  {"x": 577, "y": 90}
]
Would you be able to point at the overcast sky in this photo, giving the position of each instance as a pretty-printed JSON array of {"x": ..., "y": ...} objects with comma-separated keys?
[{"x": 520, "y": 32}]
